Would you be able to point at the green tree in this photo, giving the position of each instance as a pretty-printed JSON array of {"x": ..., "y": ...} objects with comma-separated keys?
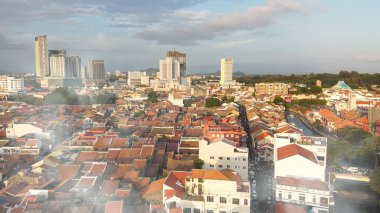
[
  {"x": 61, "y": 95},
  {"x": 213, "y": 102},
  {"x": 374, "y": 181},
  {"x": 198, "y": 163},
  {"x": 315, "y": 90},
  {"x": 187, "y": 102},
  {"x": 278, "y": 101},
  {"x": 152, "y": 97}
]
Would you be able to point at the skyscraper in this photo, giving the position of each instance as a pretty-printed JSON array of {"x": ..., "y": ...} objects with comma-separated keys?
[
  {"x": 63, "y": 66},
  {"x": 57, "y": 59},
  {"x": 84, "y": 73},
  {"x": 181, "y": 57},
  {"x": 226, "y": 68},
  {"x": 73, "y": 67},
  {"x": 96, "y": 69},
  {"x": 41, "y": 56},
  {"x": 169, "y": 69}
]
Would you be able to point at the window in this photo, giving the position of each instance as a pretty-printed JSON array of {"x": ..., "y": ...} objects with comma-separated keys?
[
  {"x": 220, "y": 166},
  {"x": 245, "y": 202},
  {"x": 244, "y": 159},
  {"x": 209, "y": 211},
  {"x": 235, "y": 201},
  {"x": 211, "y": 157},
  {"x": 212, "y": 165},
  {"x": 280, "y": 194},
  {"x": 210, "y": 199},
  {"x": 236, "y": 158},
  {"x": 314, "y": 199},
  {"x": 187, "y": 210},
  {"x": 197, "y": 211},
  {"x": 289, "y": 196},
  {"x": 228, "y": 158},
  {"x": 220, "y": 158},
  {"x": 301, "y": 197},
  {"x": 222, "y": 200},
  {"x": 244, "y": 167},
  {"x": 222, "y": 212},
  {"x": 324, "y": 201}
]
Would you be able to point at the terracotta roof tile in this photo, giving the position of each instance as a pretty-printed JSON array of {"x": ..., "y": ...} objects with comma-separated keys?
[
  {"x": 114, "y": 207},
  {"x": 294, "y": 149},
  {"x": 109, "y": 187}
]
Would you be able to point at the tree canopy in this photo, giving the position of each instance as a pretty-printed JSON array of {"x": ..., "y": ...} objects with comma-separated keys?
[
  {"x": 152, "y": 97},
  {"x": 213, "y": 102},
  {"x": 352, "y": 78}
]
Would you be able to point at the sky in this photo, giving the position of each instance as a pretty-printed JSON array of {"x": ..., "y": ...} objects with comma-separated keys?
[{"x": 262, "y": 36}]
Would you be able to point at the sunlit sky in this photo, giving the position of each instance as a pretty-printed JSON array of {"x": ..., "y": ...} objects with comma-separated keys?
[{"x": 263, "y": 36}]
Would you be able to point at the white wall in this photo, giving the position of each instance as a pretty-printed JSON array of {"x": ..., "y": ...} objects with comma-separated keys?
[{"x": 236, "y": 160}]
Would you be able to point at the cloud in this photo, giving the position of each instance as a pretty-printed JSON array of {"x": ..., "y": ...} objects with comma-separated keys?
[
  {"x": 229, "y": 44},
  {"x": 223, "y": 24},
  {"x": 6, "y": 43},
  {"x": 374, "y": 58},
  {"x": 19, "y": 11}
]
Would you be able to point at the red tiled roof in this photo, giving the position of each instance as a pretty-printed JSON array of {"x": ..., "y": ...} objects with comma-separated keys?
[
  {"x": 85, "y": 156},
  {"x": 139, "y": 163},
  {"x": 262, "y": 135},
  {"x": 114, "y": 207},
  {"x": 175, "y": 210},
  {"x": 86, "y": 182},
  {"x": 155, "y": 186},
  {"x": 288, "y": 208},
  {"x": 66, "y": 172},
  {"x": 109, "y": 187},
  {"x": 294, "y": 149}
]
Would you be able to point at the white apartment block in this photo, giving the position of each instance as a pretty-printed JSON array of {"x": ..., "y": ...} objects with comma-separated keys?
[
  {"x": 271, "y": 88},
  {"x": 300, "y": 171},
  {"x": 206, "y": 191},
  {"x": 11, "y": 84},
  {"x": 222, "y": 153},
  {"x": 135, "y": 78},
  {"x": 169, "y": 69},
  {"x": 226, "y": 69}
]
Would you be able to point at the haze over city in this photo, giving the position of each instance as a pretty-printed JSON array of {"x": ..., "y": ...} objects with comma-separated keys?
[
  {"x": 276, "y": 36},
  {"x": 196, "y": 106}
]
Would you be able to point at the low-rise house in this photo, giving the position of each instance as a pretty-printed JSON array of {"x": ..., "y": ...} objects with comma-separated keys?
[
  {"x": 305, "y": 184},
  {"x": 222, "y": 153}
]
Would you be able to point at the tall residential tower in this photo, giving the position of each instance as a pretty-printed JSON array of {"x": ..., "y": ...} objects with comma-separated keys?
[
  {"x": 41, "y": 55},
  {"x": 96, "y": 70},
  {"x": 226, "y": 67}
]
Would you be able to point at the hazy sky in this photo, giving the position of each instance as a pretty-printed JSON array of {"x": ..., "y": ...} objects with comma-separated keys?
[{"x": 263, "y": 36}]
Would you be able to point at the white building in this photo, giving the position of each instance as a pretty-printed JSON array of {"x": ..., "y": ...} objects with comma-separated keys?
[
  {"x": 206, "y": 191},
  {"x": 226, "y": 69},
  {"x": 19, "y": 130},
  {"x": 300, "y": 171},
  {"x": 169, "y": 69},
  {"x": 222, "y": 153},
  {"x": 41, "y": 56},
  {"x": 135, "y": 78},
  {"x": 11, "y": 84},
  {"x": 57, "y": 60},
  {"x": 30, "y": 147}
]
